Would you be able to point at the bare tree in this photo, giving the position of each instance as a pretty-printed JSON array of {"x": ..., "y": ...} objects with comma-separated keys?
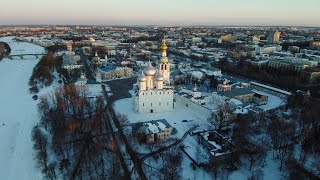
[
  {"x": 222, "y": 116},
  {"x": 282, "y": 135},
  {"x": 40, "y": 146}
]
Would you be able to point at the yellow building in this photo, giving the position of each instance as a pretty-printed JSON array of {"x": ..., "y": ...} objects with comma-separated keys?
[{"x": 115, "y": 72}]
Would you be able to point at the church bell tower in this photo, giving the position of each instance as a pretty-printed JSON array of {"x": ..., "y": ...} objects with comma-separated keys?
[{"x": 164, "y": 66}]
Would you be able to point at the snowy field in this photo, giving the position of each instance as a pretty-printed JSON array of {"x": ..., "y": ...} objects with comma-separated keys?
[{"x": 18, "y": 115}]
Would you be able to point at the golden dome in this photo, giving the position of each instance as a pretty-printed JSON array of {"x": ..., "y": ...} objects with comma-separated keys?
[
  {"x": 164, "y": 45},
  {"x": 149, "y": 70},
  {"x": 142, "y": 78}
]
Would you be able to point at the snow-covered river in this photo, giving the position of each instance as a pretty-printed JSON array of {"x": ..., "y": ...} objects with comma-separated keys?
[{"x": 18, "y": 114}]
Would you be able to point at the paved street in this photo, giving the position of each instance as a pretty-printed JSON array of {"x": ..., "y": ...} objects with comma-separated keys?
[{"x": 120, "y": 88}]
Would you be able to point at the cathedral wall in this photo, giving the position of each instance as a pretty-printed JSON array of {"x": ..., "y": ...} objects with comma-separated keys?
[{"x": 155, "y": 101}]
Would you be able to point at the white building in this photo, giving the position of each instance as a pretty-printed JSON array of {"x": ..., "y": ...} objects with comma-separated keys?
[
  {"x": 71, "y": 62},
  {"x": 152, "y": 131},
  {"x": 91, "y": 88},
  {"x": 153, "y": 93}
]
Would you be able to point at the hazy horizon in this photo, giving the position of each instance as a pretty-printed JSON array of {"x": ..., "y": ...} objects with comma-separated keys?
[{"x": 163, "y": 13}]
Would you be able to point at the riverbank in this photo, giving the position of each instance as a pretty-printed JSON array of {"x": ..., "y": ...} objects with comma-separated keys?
[{"x": 4, "y": 50}]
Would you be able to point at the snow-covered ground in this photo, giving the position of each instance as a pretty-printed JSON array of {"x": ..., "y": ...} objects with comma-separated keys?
[
  {"x": 18, "y": 115},
  {"x": 174, "y": 118},
  {"x": 269, "y": 171},
  {"x": 196, "y": 151}
]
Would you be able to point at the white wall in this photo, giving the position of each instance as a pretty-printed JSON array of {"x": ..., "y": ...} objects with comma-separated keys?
[
  {"x": 194, "y": 106},
  {"x": 156, "y": 100}
]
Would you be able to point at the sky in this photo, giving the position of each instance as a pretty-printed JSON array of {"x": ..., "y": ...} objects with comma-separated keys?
[{"x": 161, "y": 12}]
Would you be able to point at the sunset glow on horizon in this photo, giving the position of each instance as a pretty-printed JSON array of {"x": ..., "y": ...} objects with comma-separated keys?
[{"x": 165, "y": 12}]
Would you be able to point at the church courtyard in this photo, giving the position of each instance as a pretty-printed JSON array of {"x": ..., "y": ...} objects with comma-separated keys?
[{"x": 181, "y": 118}]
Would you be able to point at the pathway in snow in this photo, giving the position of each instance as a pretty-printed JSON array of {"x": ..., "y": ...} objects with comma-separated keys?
[{"x": 18, "y": 115}]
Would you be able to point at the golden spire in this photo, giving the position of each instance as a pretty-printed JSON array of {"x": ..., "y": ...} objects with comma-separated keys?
[
  {"x": 164, "y": 45},
  {"x": 164, "y": 58}
]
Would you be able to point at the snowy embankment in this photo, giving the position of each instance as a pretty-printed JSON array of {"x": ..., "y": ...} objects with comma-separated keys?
[{"x": 18, "y": 115}]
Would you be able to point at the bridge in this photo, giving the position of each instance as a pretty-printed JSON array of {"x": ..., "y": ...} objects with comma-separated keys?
[{"x": 22, "y": 56}]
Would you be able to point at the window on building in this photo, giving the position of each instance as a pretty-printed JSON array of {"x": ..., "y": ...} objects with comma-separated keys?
[
  {"x": 151, "y": 93},
  {"x": 151, "y": 104},
  {"x": 159, "y": 103},
  {"x": 167, "y": 103}
]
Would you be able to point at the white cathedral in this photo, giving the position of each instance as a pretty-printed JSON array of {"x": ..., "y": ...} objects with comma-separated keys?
[{"x": 153, "y": 92}]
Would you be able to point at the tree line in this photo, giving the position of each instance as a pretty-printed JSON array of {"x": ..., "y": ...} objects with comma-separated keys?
[{"x": 283, "y": 78}]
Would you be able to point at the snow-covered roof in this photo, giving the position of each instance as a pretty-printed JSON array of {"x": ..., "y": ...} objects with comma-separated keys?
[
  {"x": 271, "y": 88},
  {"x": 152, "y": 127},
  {"x": 241, "y": 111},
  {"x": 236, "y": 102}
]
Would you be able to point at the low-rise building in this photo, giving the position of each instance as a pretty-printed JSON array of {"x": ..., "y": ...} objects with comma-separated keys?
[
  {"x": 315, "y": 43},
  {"x": 242, "y": 94},
  {"x": 115, "y": 72},
  {"x": 216, "y": 144},
  {"x": 71, "y": 61},
  {"x": 224, "y": 87},
  {"x": 154, "y": 131},
  {"x": 269, "y": 90},
  {"x": 228, "y": 38},
  {"x": 260, "y": 99},
  {"x": 296, "y": 64}
]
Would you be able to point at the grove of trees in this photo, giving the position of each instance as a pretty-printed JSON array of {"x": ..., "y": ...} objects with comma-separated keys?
[{"x": 73, "y": 139}]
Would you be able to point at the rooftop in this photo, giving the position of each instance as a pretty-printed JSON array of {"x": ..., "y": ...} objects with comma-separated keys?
[
  {"x": 236, "y": 92},
  {"x": 151, "y": 127}
]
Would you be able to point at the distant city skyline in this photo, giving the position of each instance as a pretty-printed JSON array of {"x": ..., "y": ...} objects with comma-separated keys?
[{"x": 165, "y": 12}]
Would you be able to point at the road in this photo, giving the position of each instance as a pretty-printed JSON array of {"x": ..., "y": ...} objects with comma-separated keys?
[
  {"x": 118, "y": 149},
  {"x": 113, "y": 123},
  {"x": 133, "y": 156},
  {"x": 120, "y": 87},
  {"x": 87, "y": 65}
]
